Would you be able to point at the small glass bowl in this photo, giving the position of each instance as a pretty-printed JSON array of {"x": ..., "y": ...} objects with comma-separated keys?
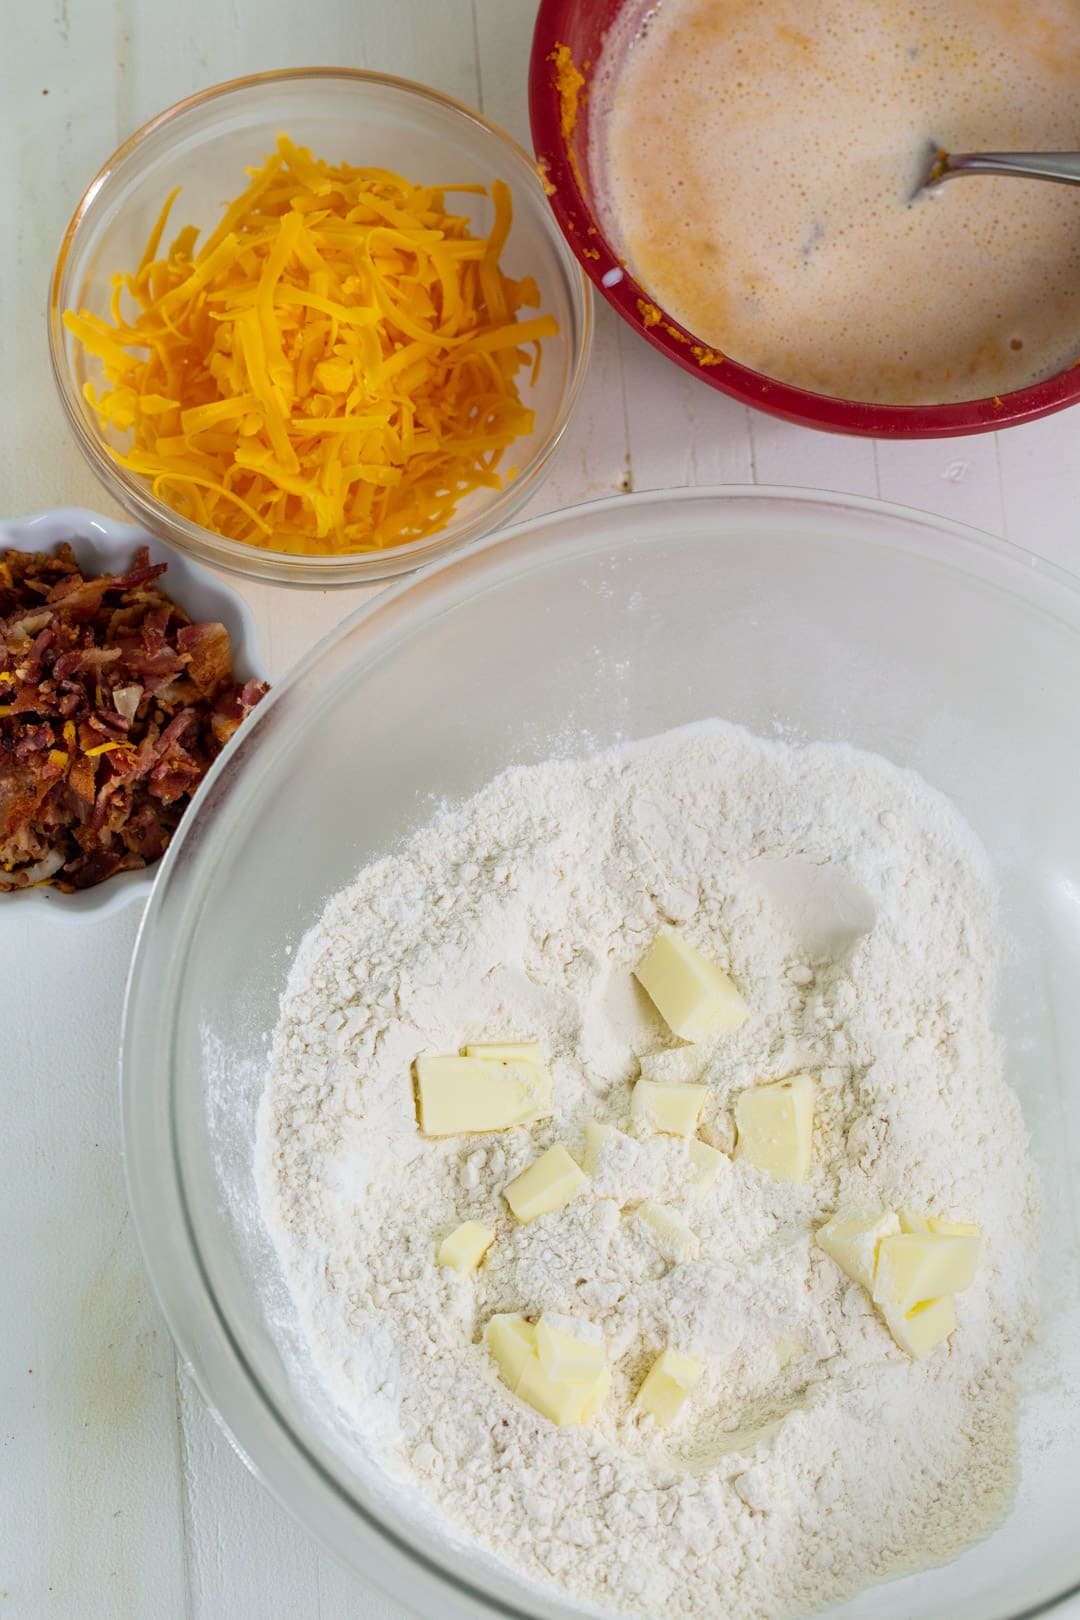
[{"x": 202, "y": 145}]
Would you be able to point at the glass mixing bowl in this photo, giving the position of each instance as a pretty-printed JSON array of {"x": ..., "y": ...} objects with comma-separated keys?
[
  {"x": 833, "y": 617},
  {"x": 202, "y": 145}
]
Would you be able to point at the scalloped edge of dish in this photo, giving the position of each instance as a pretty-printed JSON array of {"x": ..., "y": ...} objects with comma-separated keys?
[{"x": 101, "y": 543}]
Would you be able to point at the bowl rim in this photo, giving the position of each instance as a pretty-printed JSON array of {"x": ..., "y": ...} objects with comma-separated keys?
[
  {"x": 323, "y": 571},
  {"x": 209, "y": 1345},
  {"x": 613, "y": 280},
  {"x": 82, "y": 528}
]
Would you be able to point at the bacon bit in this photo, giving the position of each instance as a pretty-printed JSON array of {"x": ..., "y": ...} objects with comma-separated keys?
[
  {"x": 87, "y": 788},
  {"x": 331, "y": 372},
  {"x": 650, "y": 315}
]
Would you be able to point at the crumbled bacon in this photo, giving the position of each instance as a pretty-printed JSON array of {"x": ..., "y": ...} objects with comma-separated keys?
[{"x": 105, "y": 663}]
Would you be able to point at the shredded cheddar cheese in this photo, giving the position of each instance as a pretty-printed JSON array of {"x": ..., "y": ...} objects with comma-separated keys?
[
  {"x": 569, "y": 85},
  {"x": 331, "y": 371}
]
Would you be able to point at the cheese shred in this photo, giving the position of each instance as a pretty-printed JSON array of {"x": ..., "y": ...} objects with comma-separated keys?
[{"x": 331, "y": 372}]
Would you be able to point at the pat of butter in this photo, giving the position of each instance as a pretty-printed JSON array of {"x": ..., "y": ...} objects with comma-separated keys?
[
  {"x": 570, "y": 1351},
  {"x": 923, "y": 1327},
  {"x": 512, "y": 1342},
  {"x": 910, "y": 1222},
  {"x": 672, "y": 1109},
  {"x": 917, "y": 1266},
  {"x": 852, "y": 1239},
  {"x": 775, "y": 1125},
  {"x": 595, "y": 1395},
  {"x": 954, "y": 1228},
  {"x": 706, "y": 1162},
  {"x": 506, "y": 1051},
  {"x": 560, "y": 1402},
  {"x": 466, "y": 1246},
  {"x": 595, "y": 1137},
  {"x": 694, "y": 997},
  {"x": 667, "y": 1384},
  {"x": 459, "y": 1095},
  {"x": 670, "y": 1231},
  {"x": 546, "y": 1185}
]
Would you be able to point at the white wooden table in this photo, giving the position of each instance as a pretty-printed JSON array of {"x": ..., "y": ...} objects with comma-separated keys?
[{"x": 119, "y": 1497}]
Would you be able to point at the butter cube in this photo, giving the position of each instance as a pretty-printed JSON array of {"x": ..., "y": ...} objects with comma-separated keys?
[
  {"x": 851, "y": 1239},
  {"x": 706, "y": 1162},
  {"x": 595, "y": 1395},
  {"x": 775, "y": 1125},
  {"x": 571, "y": 1351},
  {"x": 667, "y": 1384},
  {"x": 595, "y": 1137},
  {"x": 465, "y": 1247},
  {"x": 512, "y": 1342},
  {"x": 910, "y": 1222},
  {"x": 546, "y": 1185},
  {"x": 669, "y": 1230},
  {"x": 562, "y": 1403},
  {"x": 955, "y": 1228},
  {"x": 506, "y": 1051},
  {"x": 923, "y": 1327},
  {"x": 672, "y": 1109},
  {"x": 459, "y": 1095},
  {"x": 918, "y": 1266},
  {"x": 694, "y": 997}
]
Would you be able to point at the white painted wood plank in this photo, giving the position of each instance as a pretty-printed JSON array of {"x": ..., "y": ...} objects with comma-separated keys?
[
  {"x": 503, "y": 40},
  {"x": 58, "y": 119},
  {"x": 784, "y": 454},
  {"x": 1040, "y": 469},
  {"x": 681, "y": 431},
  {"x": 92, "y": 1518},
  {"x": 249, "y": 1558},
  {"x": 959, "y": 478},
  {"x": 207, "y": 41}
]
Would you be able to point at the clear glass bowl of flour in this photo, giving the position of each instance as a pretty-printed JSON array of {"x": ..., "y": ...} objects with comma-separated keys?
[{"x": 808, "y": 616}]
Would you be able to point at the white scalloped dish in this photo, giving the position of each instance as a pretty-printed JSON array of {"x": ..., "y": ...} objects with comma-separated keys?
[{"x": 103, "y": 546}]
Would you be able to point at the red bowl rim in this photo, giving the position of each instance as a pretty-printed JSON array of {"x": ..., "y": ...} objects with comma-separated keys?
[{"x": 600, "y": 262}]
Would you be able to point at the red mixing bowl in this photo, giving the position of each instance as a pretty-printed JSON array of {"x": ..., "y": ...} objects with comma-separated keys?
[{"x": 567, "y": 43}]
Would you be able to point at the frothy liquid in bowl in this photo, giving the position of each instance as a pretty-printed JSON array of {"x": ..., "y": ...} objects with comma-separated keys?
[{"x": 758, "y": 157}]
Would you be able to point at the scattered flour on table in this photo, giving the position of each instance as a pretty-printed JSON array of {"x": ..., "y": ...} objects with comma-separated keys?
[{"x": 856, "y": 913}]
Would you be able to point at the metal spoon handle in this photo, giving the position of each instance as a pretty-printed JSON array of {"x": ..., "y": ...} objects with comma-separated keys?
[{"x": 1061, "y": 166}]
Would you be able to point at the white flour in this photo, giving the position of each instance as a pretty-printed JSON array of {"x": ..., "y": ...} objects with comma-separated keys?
[{"x": 855, "y": 912}]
